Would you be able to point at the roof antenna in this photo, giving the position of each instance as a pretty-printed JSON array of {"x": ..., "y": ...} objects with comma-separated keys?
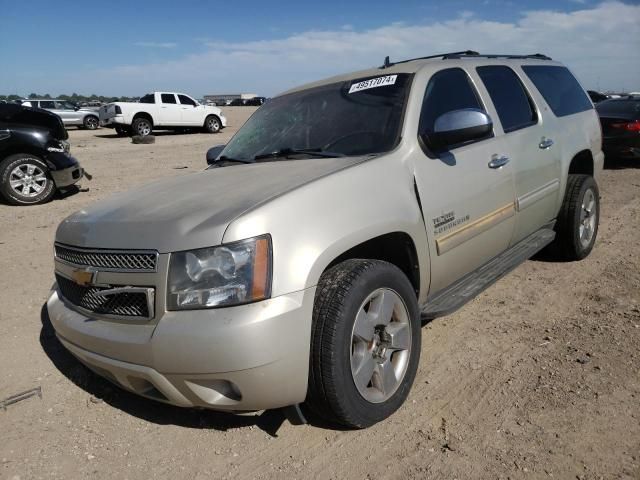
[{"x": 387, "y": 63}]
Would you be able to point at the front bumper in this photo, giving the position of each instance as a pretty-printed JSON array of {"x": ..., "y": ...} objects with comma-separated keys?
[
  {"x": 243, "y": 358},
  {"x": 223, "y": 120},
  {"x": 67, "y": 170}
]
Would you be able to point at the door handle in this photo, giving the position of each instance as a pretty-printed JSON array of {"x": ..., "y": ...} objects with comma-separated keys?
[
  {"x": 498, "y": 161},
  {"x": 545, "y": 143}
]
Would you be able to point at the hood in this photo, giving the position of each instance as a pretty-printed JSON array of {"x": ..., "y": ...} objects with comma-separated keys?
[{"x": 189, "y": 211}]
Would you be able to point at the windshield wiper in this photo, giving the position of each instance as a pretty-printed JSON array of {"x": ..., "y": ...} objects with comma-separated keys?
[
  {"x": 220, "y": 161},
  {"x": 285, "y": 152}
]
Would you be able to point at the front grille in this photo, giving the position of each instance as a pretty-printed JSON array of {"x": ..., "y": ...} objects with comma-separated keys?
[
  {"x": 125, "y": 304},
  {"x": 142, "y": 261}
]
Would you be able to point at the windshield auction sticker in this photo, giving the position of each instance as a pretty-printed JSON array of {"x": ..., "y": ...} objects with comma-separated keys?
[{"x": 373, "y": 83}]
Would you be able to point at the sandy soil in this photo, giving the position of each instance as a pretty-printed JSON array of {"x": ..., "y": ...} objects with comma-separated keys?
[{"x": 538, "y": 377}]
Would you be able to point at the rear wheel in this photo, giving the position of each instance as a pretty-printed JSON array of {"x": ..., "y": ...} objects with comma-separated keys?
[
  {"x": 141, "y": 126},
  {"x": 25, "y": 180},
  {"x": 365, "y": 343},
  {"x": 577, "y": 223},
  {"x": 212, "y": 124},
  {"x": 90, "y": 122}
]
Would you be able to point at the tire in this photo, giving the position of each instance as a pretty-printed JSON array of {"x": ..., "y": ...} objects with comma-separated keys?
[
  {"x": 346, "y": 369},
  {"x": 212, "y": 124},
  {"x": 18, "y": 169},
  {"x": 122, "y": 131},
  {"x": 91, "y": 122},
  {"x": 577, "y": 223},
  {"x": 141, "y": 126}
]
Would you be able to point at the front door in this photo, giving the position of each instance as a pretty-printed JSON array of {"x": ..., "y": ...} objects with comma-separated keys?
[
  {"x": 467, "y": 197},
  {"x": 191, "y": 113}
]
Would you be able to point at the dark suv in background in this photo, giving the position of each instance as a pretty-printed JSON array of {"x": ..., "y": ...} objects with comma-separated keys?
[
  {"x": 620, "y": 119},
  {"x": 34, "y": 155}
]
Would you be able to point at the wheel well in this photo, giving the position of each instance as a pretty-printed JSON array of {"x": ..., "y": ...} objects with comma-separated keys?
[
  {"x": 211, "y": 115},
  {"x": 582, "y": 162},
  {"x": 143, "y": 115},
  {"x": 396, "y": 248}
]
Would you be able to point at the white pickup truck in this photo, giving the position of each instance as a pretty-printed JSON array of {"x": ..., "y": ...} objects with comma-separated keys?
[{"x": 161, "y": 110}]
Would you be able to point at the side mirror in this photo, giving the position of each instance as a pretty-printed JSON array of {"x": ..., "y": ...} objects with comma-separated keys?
[
  {"x": 213, "y": 153},
  {"x": 457, "y": 127},
  {"x": 76, "y": 108}
]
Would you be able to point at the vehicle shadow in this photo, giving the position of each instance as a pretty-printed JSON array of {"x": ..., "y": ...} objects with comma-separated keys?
[
  {"x": 162, "y": 133},
  {"x": 145, "y": 409},
  {"x": 621, "y": 163}
]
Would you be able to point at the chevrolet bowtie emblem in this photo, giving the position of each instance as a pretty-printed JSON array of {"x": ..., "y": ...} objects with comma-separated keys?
[{"x": 84, "y": 277}]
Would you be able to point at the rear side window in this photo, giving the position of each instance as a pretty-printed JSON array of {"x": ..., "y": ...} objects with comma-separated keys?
[
  {"x": 184, "y": 100},
  {"x": 149, "y": 98},
  {"x": 447, "y": 90},
  {"x": 47, "y": 104},
  {"x": 559, "y": 88},
  {"x": 509, "y": 96},
  {"x": 168, "y": 98}
]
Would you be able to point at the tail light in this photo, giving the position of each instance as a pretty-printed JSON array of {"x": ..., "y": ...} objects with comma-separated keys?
[
  {"x": 118, "y": 110},
  {"x": 629, "y": 126}
]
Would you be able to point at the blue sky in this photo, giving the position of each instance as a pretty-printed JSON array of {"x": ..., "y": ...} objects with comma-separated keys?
[{"x": 121, "y": 47}]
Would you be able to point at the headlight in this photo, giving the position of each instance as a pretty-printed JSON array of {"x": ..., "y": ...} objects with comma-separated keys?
[
  {"x": 59, "y": 146},
  {"x": 230, "y": 274}
]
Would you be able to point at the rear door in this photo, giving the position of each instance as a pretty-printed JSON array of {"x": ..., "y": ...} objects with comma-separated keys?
[
  {"x": 169, "y": 111},
  {"x": 534, "y": 156},
  {"x": 467, "y": 199}
]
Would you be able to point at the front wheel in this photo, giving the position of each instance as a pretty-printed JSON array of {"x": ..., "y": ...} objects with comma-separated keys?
[
  {"x": 212, "y": 124},
  {"x": 577, "y": 223},
  {"x": 25, "y": 180},
  {"x": 365, "y": 343}
]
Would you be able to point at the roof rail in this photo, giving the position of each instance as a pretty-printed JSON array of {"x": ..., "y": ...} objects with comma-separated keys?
[
  {"x": 535, "y": 56},
  {"x": 465, "y": 54},
  {"x": 388, "y": 64}
]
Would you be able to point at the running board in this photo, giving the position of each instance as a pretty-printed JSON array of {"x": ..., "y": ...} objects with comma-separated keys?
[{"x": 471, "y": 285}]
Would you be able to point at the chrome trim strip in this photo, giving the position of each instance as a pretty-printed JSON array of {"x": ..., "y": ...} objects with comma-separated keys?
[
  {"x": 467, "y": 232},
  {"x": 534, "y": 196}
]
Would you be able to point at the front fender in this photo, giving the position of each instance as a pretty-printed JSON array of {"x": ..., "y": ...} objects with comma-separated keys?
[{"x": 316, "y": 223}]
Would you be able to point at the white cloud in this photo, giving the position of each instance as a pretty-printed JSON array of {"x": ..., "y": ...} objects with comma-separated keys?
[
  {"x": 600, "y": 44},
  {"x": 156, "y": 44}
]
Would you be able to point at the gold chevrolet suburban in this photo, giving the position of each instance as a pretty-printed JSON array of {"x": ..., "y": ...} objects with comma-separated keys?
[{"x": 296, "y": 269}]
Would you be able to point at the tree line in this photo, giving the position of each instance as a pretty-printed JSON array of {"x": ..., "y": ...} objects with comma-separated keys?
[{"x": 74, "y": 97}]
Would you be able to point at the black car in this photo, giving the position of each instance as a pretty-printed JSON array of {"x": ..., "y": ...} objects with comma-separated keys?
[
  {"x": 620, "y": 120},
  {"x": 34, "y": 155},
  {"x": 255, "y": 101},
  {"x": 596, "y": 97}
]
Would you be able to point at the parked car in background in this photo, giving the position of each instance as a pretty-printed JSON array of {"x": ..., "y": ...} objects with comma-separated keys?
[
  {"x": 34, "y": 155},
  {"x": 68, "y": 112},
  {"x": 596, "y": 96},
  {"x": 161, "y": 110},
  {"x": 297, "y": 268},
  {"x": 255, "y": 101},
  {"x": 237, "y": 102},
  {"x": 620, "y": 120}
]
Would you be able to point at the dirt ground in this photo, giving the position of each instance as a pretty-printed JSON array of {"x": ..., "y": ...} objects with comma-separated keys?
[{"x": 539, "y": 377}]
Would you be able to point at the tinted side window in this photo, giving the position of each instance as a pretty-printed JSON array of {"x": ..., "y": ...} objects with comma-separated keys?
[
  {"x": 184, "y": 100},
  {"x": 559, "y": 88},
  {"x": 47, "y": 104},
  {"x": 168, "y": 98},
  {"x": 149, "y": 98},
  {"x": 509, "y": 96},
  {"x": 447, "y": 90}
]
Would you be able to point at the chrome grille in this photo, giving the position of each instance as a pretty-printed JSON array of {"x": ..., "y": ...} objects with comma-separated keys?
[
  {"x": 133, "y": 261},
  {"x": 122, "y": 304}
]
